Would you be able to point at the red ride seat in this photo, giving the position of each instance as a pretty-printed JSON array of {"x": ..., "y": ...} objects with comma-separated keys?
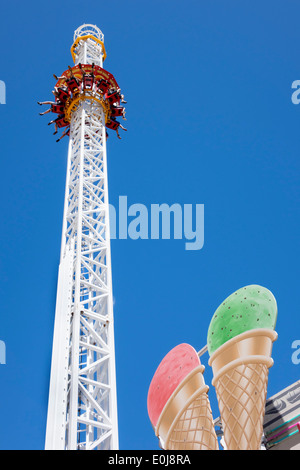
[
  {"x": 102, "y": 86},
  {"x": 73, "y": 85},
  {"x": 111, "y": 124},
  {"x": 88, "y": 82},
  {"x": 113, "y": 97},
  {"x": 117, "y": 111},
  {"x": 62, "y": 95},
  {"x": 57, "y": 108},
  {"x": 61, "y": 122}
]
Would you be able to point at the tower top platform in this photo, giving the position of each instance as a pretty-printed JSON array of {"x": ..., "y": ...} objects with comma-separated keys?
[{"x": 89, "y": 29}]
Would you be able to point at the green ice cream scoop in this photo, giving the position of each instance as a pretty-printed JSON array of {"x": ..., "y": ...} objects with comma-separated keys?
[{"x": 246, "y": 309}]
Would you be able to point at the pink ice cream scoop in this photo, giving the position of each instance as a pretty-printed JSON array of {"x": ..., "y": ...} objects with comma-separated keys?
[
  {"x": 178, "y": 392},
  {"x": 174, "y": 367}
]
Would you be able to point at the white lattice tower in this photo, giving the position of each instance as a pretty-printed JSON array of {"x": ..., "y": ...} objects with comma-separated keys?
[{"x": 82, "y": 410}]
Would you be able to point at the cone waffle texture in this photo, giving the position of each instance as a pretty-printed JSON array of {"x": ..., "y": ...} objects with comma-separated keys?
[
  {"x": 193, "y": 429},
  {"x": 186, "y": 421},
  {"x": 241, "y": 368},
  {"x": 241, "y": 394}
]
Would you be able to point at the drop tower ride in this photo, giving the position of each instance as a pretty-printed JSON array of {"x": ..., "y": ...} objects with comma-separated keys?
[{"x": 82, "y": 408}]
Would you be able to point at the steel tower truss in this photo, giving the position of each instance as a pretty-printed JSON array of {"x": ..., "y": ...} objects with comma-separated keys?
[{"x": 82, "y": 411}]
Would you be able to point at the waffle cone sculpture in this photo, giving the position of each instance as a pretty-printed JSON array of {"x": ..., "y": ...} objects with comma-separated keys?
[
  {"x": 240, "y": 356},
  {"x": 178, "y": 404}
]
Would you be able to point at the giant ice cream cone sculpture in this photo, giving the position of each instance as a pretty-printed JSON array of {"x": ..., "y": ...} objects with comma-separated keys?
[
  {"x": 240, "y": 339},
  {"x": 178, "y": 404}
]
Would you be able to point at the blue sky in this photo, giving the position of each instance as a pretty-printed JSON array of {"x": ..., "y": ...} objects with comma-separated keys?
[{"x": 210, "y": 121}]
